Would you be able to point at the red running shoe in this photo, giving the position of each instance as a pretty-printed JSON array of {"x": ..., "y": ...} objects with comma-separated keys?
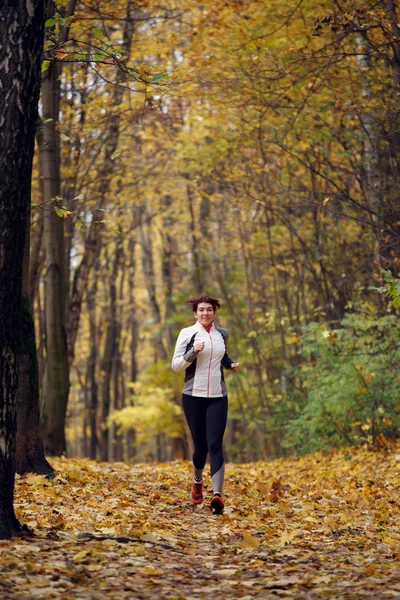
[
  {"x": 217, "y": 505},
  {"x": 197, "y": 492}
]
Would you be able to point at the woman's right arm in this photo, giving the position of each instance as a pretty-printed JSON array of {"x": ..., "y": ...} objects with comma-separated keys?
[{"x": 182, "y": 359}]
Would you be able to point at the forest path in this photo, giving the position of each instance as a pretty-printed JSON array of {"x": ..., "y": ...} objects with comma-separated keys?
[{"x": 321, "y": 526}]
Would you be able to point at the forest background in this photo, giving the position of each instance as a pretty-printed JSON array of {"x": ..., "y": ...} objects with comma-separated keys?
[{"x": 249, "y": 149}]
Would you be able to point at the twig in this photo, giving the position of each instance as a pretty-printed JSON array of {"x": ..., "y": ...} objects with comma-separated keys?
[{"x": 86, "y": 536}]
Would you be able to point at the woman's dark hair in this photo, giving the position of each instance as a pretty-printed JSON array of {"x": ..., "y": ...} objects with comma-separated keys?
[{"x": 194, "y": 302}]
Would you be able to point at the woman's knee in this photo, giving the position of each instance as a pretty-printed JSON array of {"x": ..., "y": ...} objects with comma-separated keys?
[{"x": 215, "y": 447}]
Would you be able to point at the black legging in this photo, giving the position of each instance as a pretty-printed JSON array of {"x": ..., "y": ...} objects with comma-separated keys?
[{"x": 206, "y": 418}]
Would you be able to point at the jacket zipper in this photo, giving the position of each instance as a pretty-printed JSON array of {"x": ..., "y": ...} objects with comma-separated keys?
[{"x": 209, "y": 366}]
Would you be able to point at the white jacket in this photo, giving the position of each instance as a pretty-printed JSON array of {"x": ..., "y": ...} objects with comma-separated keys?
[{"x": 204, "y": 375}]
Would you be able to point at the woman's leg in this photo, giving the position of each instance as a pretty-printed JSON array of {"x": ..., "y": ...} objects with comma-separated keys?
[
  {"x": 195, "y": 410},
  {"x": 217, "y": 414}
]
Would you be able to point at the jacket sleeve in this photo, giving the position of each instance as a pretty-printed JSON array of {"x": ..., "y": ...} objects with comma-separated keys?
[
  {"x": 227, "y": 361},
  {"x": 182, "y": 358}
]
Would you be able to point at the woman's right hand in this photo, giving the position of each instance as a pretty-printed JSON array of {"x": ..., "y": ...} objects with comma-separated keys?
[{"x": 199, "y": 347}]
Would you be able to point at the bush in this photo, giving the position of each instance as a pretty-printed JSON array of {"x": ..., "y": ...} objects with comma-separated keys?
[{"x": 349, "y": 382}]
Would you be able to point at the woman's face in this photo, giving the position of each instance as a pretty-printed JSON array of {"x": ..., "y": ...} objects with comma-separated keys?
[{"x": 205, "y": 313}]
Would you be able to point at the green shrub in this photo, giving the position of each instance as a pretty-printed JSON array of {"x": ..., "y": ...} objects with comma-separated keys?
[{"x": 350, "y": 384}]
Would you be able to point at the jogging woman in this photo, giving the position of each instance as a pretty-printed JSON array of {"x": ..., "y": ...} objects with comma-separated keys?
[{"x": 201, "y": 351}]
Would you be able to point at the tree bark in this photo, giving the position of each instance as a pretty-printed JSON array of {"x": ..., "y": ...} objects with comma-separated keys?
[
  {"x": 109, "y": 355},
  {"x": 36, "y": 259},
  {"x": 133, "y": 326},
  {"x": 91, "y": 370},
  {"x": 30, "y": 456},
  {"x": 21, "y": 34},
  {"x": 56, "y": 388}
]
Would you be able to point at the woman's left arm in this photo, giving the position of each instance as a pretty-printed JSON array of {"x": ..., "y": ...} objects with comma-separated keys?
[{"x": 228, "y": 363}]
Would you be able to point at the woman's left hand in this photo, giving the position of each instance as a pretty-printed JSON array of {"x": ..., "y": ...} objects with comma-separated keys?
[{"x": 235, "y": 367}]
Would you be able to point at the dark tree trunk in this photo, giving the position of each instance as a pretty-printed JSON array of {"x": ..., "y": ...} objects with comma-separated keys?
[
  {"x": 109, "y": 357},
  {"x": 30, "y": 456},
  {"x": 36, "y": 259},
  {"x": 91, "y": 371},
  {"x": 134, "y": 332},
  {"x": 21, "y": 35},
  {"x": 56, "y": 387}
]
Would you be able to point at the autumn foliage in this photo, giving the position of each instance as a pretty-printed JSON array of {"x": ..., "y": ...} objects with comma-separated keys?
[{"x": 246, "y": 148}]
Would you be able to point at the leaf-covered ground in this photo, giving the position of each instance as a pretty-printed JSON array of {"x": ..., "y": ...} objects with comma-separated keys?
[{"x": 322, "y": 526}]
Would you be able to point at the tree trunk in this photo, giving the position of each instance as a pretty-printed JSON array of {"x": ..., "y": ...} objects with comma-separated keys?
[
  {"x": 36, "y": 260},
  {"x": 134, "y": 333},
  {"x": 109, "y": 356},
  {"x": 160, "y": 351},
  {"x": 91, "y": 371},
  {"x": 21, "y": 34},
  {"x": 56, "y": 387},
  {"x": 198, "y": 261},
  {"x": 30, "y": 456}
]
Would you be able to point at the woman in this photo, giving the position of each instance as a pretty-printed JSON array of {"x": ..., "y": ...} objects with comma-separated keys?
[{"x": 201, "y": 350}]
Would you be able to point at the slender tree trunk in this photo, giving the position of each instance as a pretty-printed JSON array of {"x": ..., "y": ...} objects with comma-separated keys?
[
  {"x": 160, "y": 351},
  {"x": 134, "y": 331},
  {"x": 21, "y": 35},
  {"x": 29, "y": 451},
  {"x": 117, "y": 398},
  {"x": 198, "y": 271},
  {"x": 180, "y": 446},
  {"x": 91, "y": 371},
  {"x": 109, "y": 357},
  {"x": 36, "y": 261},
  {"x": 56, "y": 388}
]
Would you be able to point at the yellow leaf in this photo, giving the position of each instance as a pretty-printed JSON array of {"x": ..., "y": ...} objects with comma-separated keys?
[
  {"x": 287, "y": 537},
  {"x": 153, "y": 571},
  {"x": 80, "y": 555},
  {"x": 35, "y": 480},
  {"x": 249, "y": 541}
]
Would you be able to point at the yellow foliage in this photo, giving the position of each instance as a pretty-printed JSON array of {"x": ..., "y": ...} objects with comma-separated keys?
[{"x": 153, "y": 412}]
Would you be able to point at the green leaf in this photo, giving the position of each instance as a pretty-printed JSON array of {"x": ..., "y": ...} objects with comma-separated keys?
[
  {"x": 79, "y": 197},
  {"x": 60, "y": 211},
  {"x": 65, "y": 21},
  {"x": 45, "y": 65},
  {"x": 64, "y": 137},
  {"x": 387, "y": 275},
  {"x": 157, "y": 77},
  {"x": 79, "y": 224},
  {"x": 50, "y": 22},
  {"x": 87, "y": 127},
  {"x": 97, "y": 32},
  {"x": 115, "y": 154},
  {"x": 396, "y": 302},
  {"x": 99, "y": 56}
]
